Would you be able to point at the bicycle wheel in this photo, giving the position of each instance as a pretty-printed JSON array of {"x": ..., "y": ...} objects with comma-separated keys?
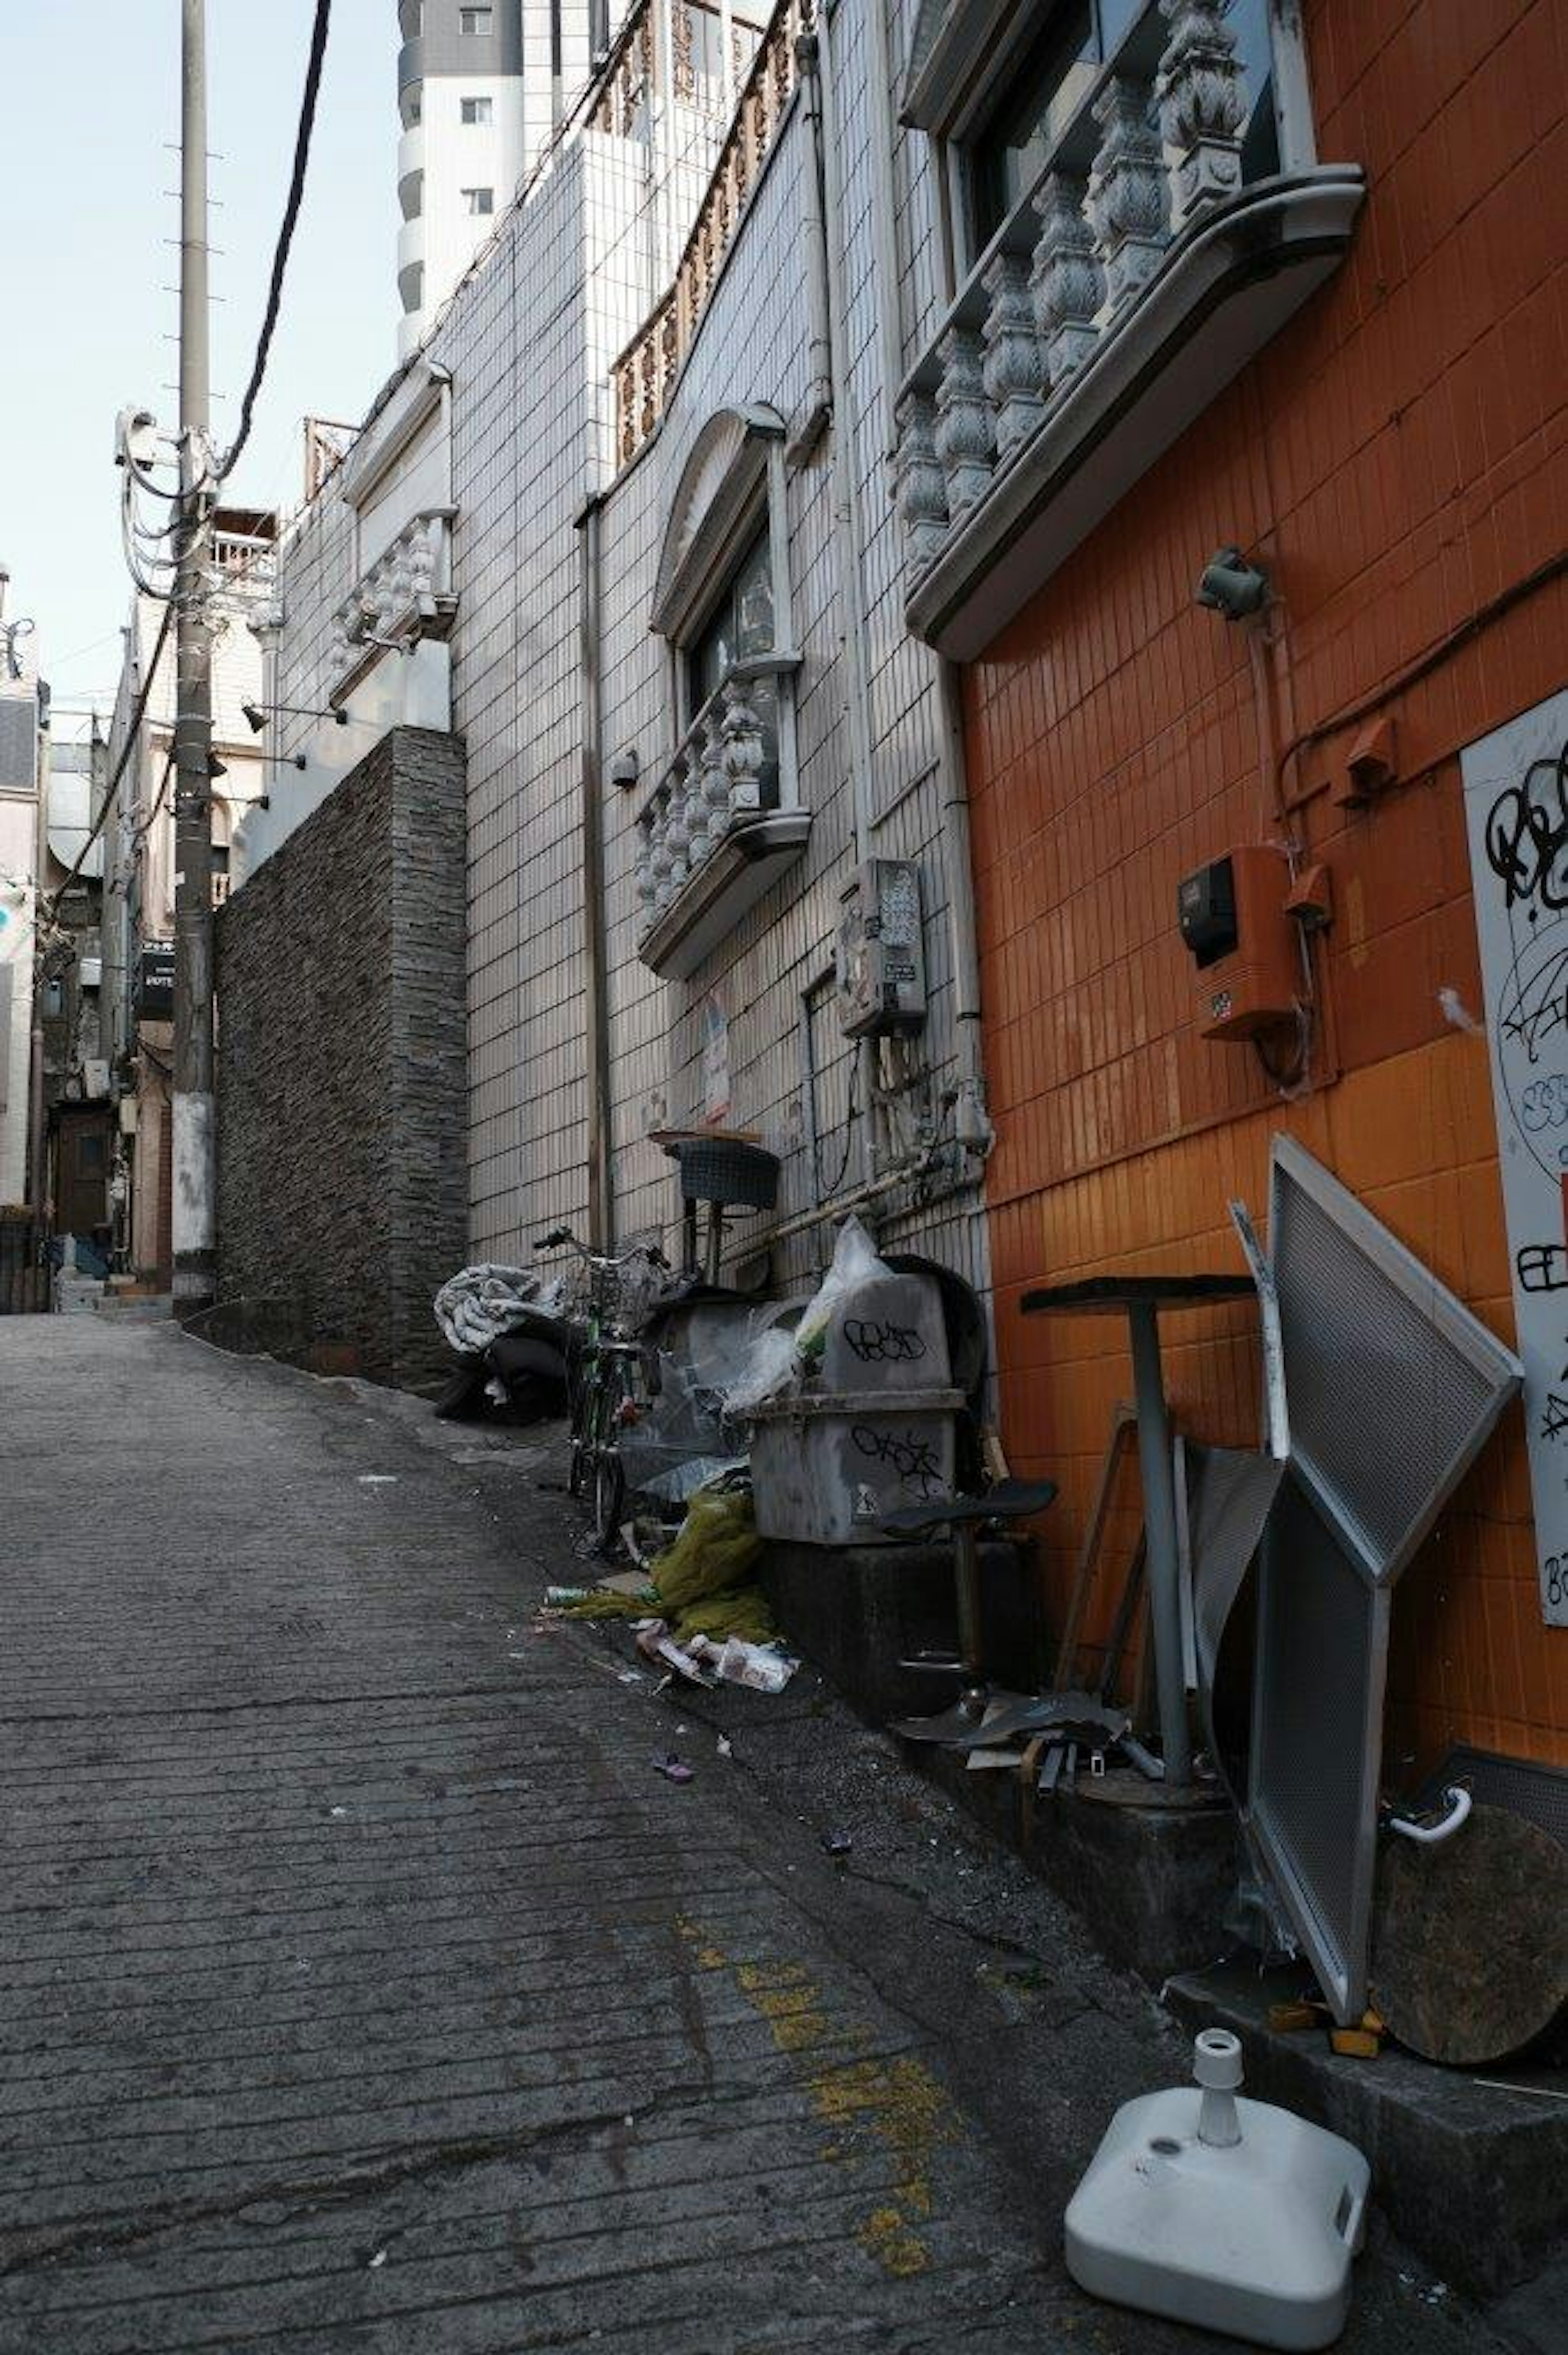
[
  {"x": 582, "y": 1377},
  {"x": 608, "y": 1495},
  {"x": 608, "y": 1472}
]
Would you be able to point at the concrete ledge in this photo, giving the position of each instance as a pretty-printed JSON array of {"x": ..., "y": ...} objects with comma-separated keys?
[
  {"x": 857, "y": 1611},
  {"x": 1149, "y": 1873},
  {"x": 1471, "y": 2176}
]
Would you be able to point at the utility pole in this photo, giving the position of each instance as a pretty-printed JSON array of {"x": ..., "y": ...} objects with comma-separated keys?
[{"x": 195, "y": 1133}]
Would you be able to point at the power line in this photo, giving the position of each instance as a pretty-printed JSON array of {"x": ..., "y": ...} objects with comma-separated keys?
[
  {"x": 286, "y": 233},
  {"x": 133, "y": 733}
]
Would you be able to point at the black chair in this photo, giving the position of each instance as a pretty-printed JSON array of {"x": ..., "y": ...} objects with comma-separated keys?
[{"x": 1008, "y": 1502}]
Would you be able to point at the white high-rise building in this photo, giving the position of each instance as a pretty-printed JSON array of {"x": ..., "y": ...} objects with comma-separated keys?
[{"x": 479, "y": 91}]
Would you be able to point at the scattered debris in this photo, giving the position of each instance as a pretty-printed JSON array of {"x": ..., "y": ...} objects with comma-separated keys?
[
  {"x": 378, "y": 1480},
  {"x": 674, "y": 1769},
  {"x": 837, "y": 1843},
  {"x": 379, "y": 2259},
  {"x": 724, "y": 1746}
]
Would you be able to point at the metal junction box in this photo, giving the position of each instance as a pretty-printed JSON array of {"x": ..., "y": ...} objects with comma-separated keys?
[
  {"x": 882, "y": 952},
  {"x": 1234, "y": 920}
]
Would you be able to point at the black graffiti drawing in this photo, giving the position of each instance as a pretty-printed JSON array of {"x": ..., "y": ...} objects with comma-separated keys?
[
  {"x": 1527, "y": 838},
  {"x": 1541, "y": 1267},
  {"x": 905, "y": 1452},
  {"x": 1554, "y": 1417},
  {"x": 883, "y": 1345},
  {"x": 1535, "y": 1007}
]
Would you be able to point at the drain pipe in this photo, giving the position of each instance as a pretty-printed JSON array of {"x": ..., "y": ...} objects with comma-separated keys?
[
  {"x": 817, "y": 408},
  {"x": 972, "y": 1122},
  {"x": 815, "y": 53},
  {"x": 596, "y": 1008}
]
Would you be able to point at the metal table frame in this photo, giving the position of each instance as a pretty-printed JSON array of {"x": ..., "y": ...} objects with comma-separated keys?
[{"x": 1140, "y": 1299}]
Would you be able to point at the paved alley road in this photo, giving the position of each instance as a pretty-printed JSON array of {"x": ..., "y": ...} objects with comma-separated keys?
[{"x": 364, "y": 1988}]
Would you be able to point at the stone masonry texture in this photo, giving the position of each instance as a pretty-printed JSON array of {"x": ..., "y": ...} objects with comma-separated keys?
[
  {"x": 342, "y": 1184},
  {"x": 365, "y": 1991}
]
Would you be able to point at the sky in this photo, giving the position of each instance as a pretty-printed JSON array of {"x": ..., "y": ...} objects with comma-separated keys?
[{"x": 88, "y": 102}]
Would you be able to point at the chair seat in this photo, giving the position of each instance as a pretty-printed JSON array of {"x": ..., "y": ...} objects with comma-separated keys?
[{"x": 1010, "y": 1501}]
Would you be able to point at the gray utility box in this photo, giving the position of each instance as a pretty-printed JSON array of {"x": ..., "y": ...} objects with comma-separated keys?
[{"x": 870, "y": 1432}]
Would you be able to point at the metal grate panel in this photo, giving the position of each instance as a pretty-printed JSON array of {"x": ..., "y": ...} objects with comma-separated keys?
[
  {"x": 1393, "y": 1384},
  {"x": 1318, "y": 1737}
]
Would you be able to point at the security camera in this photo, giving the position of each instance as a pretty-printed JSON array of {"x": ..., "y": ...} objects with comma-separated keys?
[{"x": 1232, "y": 586}]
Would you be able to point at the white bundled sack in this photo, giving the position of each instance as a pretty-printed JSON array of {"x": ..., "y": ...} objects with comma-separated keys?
[{"x": 479, "y": 1304}]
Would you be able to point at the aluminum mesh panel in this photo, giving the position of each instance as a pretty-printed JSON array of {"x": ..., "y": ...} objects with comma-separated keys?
[
  {"x": 1392, "y": 1385},
  {"x": 1318, "y": 1738}
]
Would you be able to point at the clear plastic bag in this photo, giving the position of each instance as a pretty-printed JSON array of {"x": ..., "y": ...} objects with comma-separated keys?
[
  {"x": 768, "y": 1367},
  {"x": 854, "y": 1262}
]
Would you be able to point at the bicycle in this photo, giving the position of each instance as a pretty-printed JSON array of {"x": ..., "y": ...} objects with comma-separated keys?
[{"x": 605, "y": 1372}]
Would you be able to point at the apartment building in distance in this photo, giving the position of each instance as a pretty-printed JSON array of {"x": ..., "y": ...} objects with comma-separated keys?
[{"x": 479, "y": 92}]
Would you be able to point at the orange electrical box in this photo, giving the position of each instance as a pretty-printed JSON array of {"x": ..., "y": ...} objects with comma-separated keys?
[{"x": 1234, "y": 920}]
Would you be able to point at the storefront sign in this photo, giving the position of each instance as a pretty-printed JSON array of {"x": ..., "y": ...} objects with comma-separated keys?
[{"x": 1516, "y": 801}]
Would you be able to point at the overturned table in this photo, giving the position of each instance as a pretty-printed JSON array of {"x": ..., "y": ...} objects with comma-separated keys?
[{"x": 1140, "y": 1298}]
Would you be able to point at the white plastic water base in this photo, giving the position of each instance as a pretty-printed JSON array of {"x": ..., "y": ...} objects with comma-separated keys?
[{"x": 1226, "y": 2213}]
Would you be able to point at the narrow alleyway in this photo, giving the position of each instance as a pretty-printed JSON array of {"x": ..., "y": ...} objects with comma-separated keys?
[{"x": 365, "y": 1990}]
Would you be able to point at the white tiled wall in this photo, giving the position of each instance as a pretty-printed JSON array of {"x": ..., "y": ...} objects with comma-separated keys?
[{"x": 529, "y": 341}]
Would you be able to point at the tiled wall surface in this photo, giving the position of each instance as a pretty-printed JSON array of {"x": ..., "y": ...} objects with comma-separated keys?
[
  {"x": 1398, "y": 459},
  {"x": 529, "y": 340}
]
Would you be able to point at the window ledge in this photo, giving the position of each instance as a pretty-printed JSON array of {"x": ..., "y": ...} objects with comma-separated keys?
[
  {"x": 1223, "y": 290},
  {"x": 747, "y": 861}
]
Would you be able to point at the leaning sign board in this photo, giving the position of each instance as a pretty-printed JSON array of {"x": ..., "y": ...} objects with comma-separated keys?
[{"x": 1516, "y": 800}]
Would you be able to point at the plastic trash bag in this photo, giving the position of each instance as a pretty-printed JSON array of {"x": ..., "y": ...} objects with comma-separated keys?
[
  {"x": 854, "y": 1262},
  {"x": 768, "y": 1367}
]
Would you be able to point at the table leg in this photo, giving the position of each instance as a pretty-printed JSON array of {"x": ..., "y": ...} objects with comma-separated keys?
[{"x": 1160, "y": 1526}]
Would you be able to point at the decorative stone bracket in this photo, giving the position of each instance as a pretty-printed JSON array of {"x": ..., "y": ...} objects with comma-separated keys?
[{"x": 407, "y": 595}]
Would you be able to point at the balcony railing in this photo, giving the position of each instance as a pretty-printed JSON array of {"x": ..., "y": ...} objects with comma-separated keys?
[
  {"x": 633, "y": 72},
  {"x": 648, "y": 365},
  {"x": 407, "y": 595},
  {"x": 1138, "y": 274},
  {"x": 722, "y": 822}
]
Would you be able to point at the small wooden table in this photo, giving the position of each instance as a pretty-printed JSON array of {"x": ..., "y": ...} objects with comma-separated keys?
[{"x": 1140, "y": 1298}]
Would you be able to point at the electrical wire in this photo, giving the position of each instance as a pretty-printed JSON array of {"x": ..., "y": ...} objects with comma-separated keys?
[
  {"x": 1421, "y": 666},
  {"x": 51, "y": 909},
  {"x": 285, "y": 234}
]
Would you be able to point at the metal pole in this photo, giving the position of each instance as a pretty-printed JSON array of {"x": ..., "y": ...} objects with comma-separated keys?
[
  {"x": 1160, "y": 1527},
  {"x": 194, "y": 1186}
]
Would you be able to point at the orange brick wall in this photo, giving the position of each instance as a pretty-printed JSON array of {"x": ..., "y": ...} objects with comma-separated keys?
[{"x": 1397, "y": 460}]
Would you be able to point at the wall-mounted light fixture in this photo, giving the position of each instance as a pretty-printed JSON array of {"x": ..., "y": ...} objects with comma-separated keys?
[
  {"x": 258, "y": 714},
  {"x": 1230, "y": 585}
]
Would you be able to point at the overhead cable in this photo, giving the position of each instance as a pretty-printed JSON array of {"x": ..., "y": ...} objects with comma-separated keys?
[{"x": 285, "y": 234}]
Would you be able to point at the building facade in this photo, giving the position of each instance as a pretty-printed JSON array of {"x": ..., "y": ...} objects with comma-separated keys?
[
  {"x": 136, "y": 1019},
  {"x": 21, "y": 755},
  {"x": 1280, "y": 275}
]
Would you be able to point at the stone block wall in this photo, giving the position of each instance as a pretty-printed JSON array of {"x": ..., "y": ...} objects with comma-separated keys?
[{"x": 341, "y": 1107}]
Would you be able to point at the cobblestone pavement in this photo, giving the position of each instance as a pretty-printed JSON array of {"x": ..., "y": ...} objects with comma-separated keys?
[{"x": 365, "y": 1990}]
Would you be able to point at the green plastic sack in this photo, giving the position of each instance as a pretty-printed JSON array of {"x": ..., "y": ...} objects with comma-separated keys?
[
  {"x": 745, "y": 1613},
  {"x": 715, "y": 1552}
]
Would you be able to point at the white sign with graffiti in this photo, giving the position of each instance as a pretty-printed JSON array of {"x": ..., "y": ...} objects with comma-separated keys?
[{"x": 1515, "y": 801}]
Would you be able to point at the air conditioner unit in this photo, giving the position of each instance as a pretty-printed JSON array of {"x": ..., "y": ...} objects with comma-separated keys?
[{"x": 95, "y": 1079}]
